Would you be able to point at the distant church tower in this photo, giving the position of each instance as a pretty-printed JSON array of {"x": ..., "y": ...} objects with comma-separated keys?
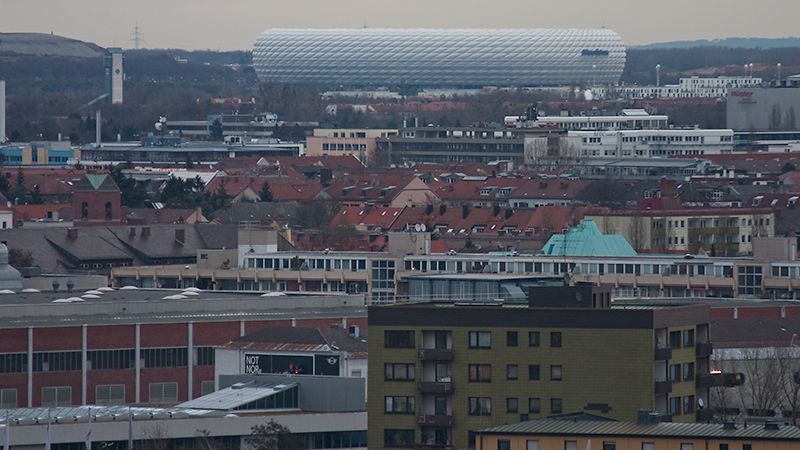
[
  {"x": 96, "y": 201},
  {"x": 115, "y": 74}
]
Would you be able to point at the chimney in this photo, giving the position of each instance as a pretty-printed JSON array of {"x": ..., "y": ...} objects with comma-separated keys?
[
  {"x": 354, "y": 332},
  {"x": 133, "y": 232},
  {"x": 180, "y": 235},
  {"x": 667, "y": 188},
  {"x": 464, "y": 211},
  {"x": 145, "y": 231},
  {"x": 72, "y": 233}
]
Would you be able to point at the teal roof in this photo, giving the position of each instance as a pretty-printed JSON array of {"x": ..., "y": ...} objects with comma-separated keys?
[{"x": 587, "y": 240}]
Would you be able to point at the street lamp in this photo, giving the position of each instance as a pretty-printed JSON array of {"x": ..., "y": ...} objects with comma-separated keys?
[
  {"x": 658, "y": 75},
  {"x": 779, "y": 74},
  {"x": 594, "y": 66}
]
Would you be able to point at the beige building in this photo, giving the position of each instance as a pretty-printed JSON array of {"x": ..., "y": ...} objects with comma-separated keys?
[
  {"x": 345, "y": 142},
  {"x": 729, "y": 230}
]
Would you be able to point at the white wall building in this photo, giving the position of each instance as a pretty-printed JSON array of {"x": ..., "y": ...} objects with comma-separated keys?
[
  {"x": 654, "y": 143},
  {"x": 692, "y": 87}
]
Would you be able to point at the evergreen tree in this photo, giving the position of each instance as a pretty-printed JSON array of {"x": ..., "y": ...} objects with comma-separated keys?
[{"x": 266, "y": 193}]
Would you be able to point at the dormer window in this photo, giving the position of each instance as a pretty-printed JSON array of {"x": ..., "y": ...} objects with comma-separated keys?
[{"x": 486, "y": 191}]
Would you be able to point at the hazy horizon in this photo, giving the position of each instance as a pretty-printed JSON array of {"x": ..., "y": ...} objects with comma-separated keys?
[{"x": 234, "y": 25}]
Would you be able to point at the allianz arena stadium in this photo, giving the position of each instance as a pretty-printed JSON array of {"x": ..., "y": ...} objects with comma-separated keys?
[{"x": 439, "y": 57}]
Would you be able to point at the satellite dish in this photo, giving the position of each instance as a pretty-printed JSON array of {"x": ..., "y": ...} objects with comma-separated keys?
[
  {"x": 162, "y": 119},
  {"x": 700, "y": 403},
  {"x": 578, "y": 296},
  {"x": 159, "y": 125},
  {"x": 417, "y": 228},
  {"x": 423, "y": 227}
]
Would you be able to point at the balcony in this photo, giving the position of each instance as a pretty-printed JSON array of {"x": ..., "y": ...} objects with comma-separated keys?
[
  {"x": 435, "y": 387},
  {"x": 437, "y": 420},
  {"x": 435, "y": 354},
  {"x": 704, "y": 415},
  {"x": 705, "y": 381},
  {"x": 663, "y": 387},
  {"x": 705, "y": 349},
  {"x": 663, "y": 354},
  {"x": 434, "y": 447}
]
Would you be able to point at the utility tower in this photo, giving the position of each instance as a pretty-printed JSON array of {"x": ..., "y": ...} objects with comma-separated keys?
[{"x": 136, "y": 36}]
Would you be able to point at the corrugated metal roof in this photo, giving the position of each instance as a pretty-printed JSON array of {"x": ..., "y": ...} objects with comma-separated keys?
[
  {"x": 63, "y": 414},
  {"x": 585, "y": 239},
  {"x": 685, "y": 430},
  {"x": 237, "y": 395}
]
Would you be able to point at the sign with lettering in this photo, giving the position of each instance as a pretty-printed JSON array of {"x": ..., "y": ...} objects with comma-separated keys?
[{"x": 741, "y": 94}]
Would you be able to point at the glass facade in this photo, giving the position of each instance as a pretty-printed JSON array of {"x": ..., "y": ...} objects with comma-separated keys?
[{"x": 436, "y": 57}]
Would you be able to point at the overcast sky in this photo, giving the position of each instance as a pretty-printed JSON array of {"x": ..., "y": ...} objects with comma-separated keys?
[{"x": 235, "y": 24}]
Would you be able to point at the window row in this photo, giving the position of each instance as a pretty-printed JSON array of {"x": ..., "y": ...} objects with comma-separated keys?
[
  {"x": 296, "y": 263},
  {"x": 681, "y": 372},
  {"x": 482, "y": 406},
  {"x": 678, "y": 405},
  {"x": 105, "y": 359},
  {"x": 483, "y": 339},
  {"x": 505, "y": 444},
  {"x": 684, "y": 338}
]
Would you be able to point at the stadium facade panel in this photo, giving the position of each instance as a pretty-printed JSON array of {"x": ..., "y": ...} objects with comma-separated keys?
[{"x": 440, "y": 57}]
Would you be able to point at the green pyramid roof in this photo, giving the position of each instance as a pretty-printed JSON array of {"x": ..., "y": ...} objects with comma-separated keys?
[{"x": 587, "y": 240}]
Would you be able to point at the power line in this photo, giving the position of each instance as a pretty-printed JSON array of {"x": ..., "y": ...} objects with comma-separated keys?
[{"x": 136, "y": 36}]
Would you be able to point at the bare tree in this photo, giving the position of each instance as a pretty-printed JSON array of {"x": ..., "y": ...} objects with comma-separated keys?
[
  {"x": 274, "y": 436},
  {"x": 761, "y": 394},
  {"x": 789, "y": 364},
  {"x": 608, "y": 226},
  {"x": 554, "y": 153},
  {"x": 637, "y": 233}
]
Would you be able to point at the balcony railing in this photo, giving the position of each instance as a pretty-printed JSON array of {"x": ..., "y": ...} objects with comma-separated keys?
[
  {"x": 663, "y": 387},
  {"x": 435, "y": 354},
  {"x": 436, "y": 420},
  {"x": 435, "y": 387},
  {"x": 705, "y": 349},
  {"x": 434, "y": 447},
  {"x": 705, "y": 381},
  {"x": 704, "y": 415},
  {"x": 662, "y": 354}
]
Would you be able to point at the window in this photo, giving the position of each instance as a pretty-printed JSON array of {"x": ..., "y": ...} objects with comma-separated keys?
[
  {"x": 111, "y": 359},
  {"x": 533, "y": 339},
  {"x": 675, "y": 339},
  {"x": 533, "y": 405},
  {"x": 207, "y": 387},
  {"x": 675, "y": 405},
  {"x": 503, "y": 444},
  {"x": 165, "y": 357},
  {"x": 512, "y": 372},
  {"x": 399, "y": 372},
  {"x": 398, "y": 438},
  {"x": 723, "y": 446},
  {"x": 511, "y": 338},
  {"x": 533, "y": 372},
  {"x": 13, "y": 362},
  {"x": 555, "y": 373},
  {"x": 747, "y": 447},
  {"x": 57, "y": 396},
  {"x": 110, "y": 394},
  {"x": 609, "y": 445},
  {"x": 440, "y": 339},
  {"x": 204, "y": 356},
  {"x": 688, "y": 404},
  {"x": 555, "y": 405},
  {"x": 688, "y": 338},
  {"x": 512, "y": 405},
  {"x": 688, "y": 446},
  {"x": 56, "y": 361},
  {"x": 481, "y": 373},
  {"x": 399, "y": 339},
  {"x": 480, "y": 406},
  {"x": 648, "y": 446},
  {"x": 688, "y": 371},
  {"x": 675, "y": 372},
  {"x": 480, "y": 339},
  {"x": 555, "y": 339},
  {"x": 163, "y": 392},
  {"x": 532, "y": 445},
  {"x": 8, "y": 398},
  {"x": 570, "y": 445},
  {"x": 400, "y": 405}
]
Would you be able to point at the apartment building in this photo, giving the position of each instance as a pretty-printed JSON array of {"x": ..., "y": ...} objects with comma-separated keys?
[
  {"x": 439, "y": 372},
  {"x": 572, "y": 435},
  {"x": 344, "y": 142}
]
